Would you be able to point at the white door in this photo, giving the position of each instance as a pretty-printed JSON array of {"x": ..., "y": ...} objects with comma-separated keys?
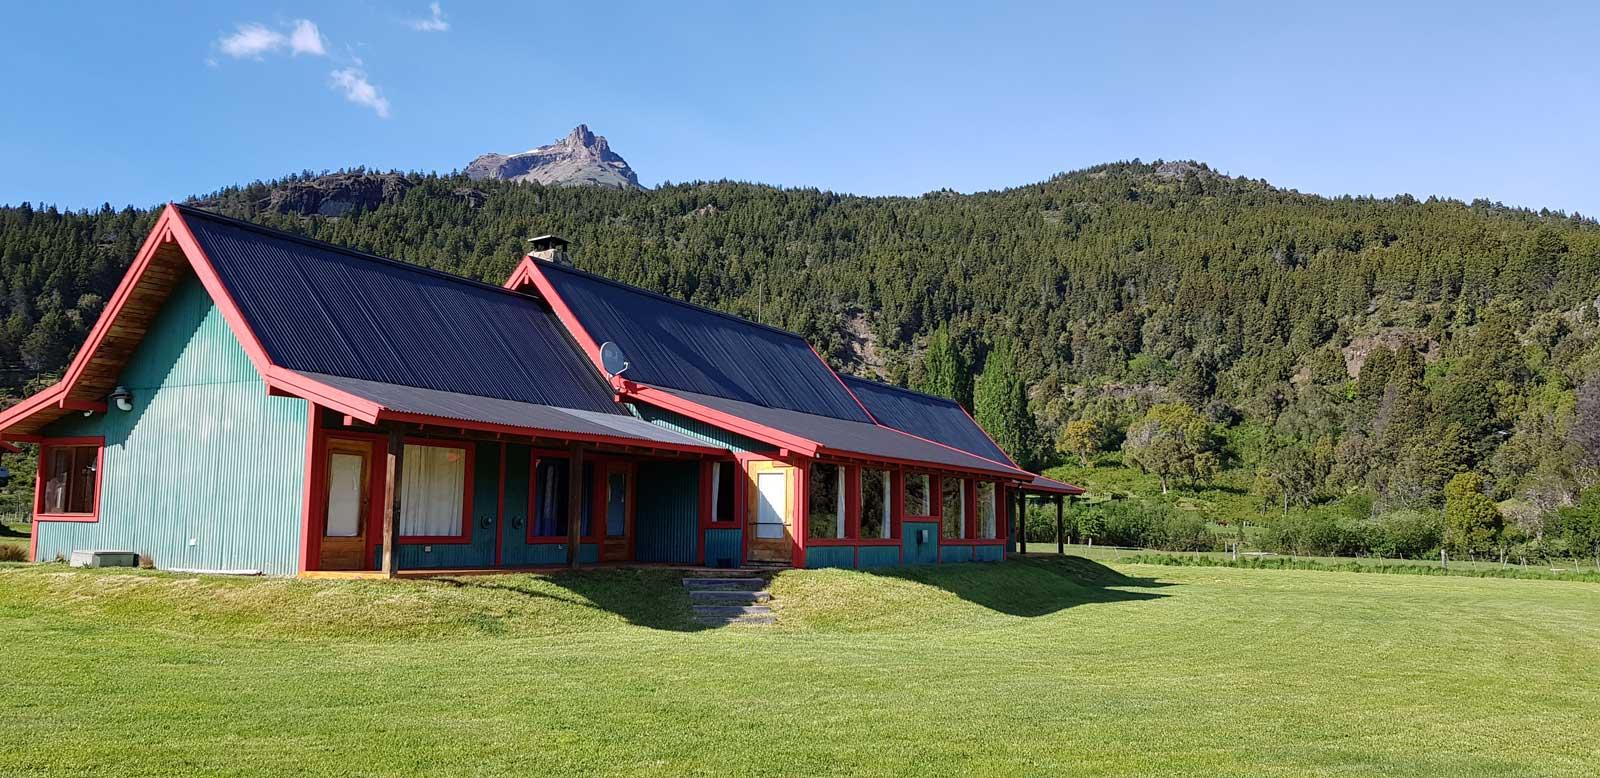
[{"x": 770, "y": 533}]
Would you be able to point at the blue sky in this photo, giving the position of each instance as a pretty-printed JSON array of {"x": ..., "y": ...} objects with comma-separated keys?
[{"x": 145, "y": 102}]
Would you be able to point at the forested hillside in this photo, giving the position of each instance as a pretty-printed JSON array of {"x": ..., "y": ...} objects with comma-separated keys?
[{"x": 1341, "y": 350}]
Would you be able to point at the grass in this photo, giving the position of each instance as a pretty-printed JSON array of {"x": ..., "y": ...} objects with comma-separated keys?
[
  {"x": 1039, "y": 666},
  {"x": 14, "y": 541},
  {"x": 1473, "y": 570}
]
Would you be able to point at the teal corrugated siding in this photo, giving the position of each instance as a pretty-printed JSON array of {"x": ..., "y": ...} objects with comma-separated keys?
[
  {"x": 700, "y": 430},
  {"x": 724, "y": 544},
  {"x": 988, "y": 553},
  {"x": 514, "y": 549},
  {"x": 877, "y": 556},
  {"x": 830, "y": 556},
  {"x": 955, "y": 553},
  {"x": 923, "y": 553},
  {"x": 479, "y": 552},
  {"x": 205, "y": 454},
  {"x": 667, "y": 514}
]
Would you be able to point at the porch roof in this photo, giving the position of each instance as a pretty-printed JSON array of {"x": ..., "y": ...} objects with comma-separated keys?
[
  {"x": 838, "y": 437},
  {"x": 1051, "y": 486},
  {"x": 431, "y": 406}
]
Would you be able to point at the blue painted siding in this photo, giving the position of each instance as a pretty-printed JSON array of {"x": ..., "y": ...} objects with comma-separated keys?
[
  {"x": 955, "y": 553},
  {"x": 878, "y": 556},
  {"x": 205, "y": 454},
  {"x": 830, "y": 556},
  {"x": 514, "y": 524},
  {"x": 924, "y": 553},
  {"x": 667, "y": 513},
  {"x": 724, "y": 544},
  {"x": 988, "y": 553},
  {"x": 699, "y": 430}
]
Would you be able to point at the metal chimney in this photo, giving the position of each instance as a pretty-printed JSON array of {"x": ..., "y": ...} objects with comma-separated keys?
[{"x": 549, "y": 248}]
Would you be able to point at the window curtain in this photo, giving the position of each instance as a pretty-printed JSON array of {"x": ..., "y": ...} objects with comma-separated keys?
[
  {"x": 433, "y": 491},
  {"x": 986, "y": 510}
]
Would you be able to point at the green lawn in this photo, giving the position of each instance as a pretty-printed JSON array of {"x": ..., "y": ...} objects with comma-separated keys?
[{"x": 1038, "y": 667}]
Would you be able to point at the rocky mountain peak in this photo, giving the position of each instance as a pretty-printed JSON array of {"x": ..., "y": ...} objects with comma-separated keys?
[{"x": 582, "y": 158}]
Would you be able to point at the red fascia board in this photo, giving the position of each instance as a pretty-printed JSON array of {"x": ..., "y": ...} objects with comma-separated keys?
[
  {"x": 322, "y": 394},
  {"x": 219, "y": 293},
  {"x": 842, "y": 385},
  {"x": 159, "y": 234},
  {"x": 28, "y": 406},
  {"x": 986, "y": 434},
  {"x": 665, "y": 399},
  {"x": 169, "y": 226},
  {"x": 529, "y": 272}
]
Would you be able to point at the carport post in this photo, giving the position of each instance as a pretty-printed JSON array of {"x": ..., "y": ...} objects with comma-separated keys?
[
  {"x": 393, "y": 468},
  {"x": 1061, "y": 525},
  {"x": 574, "y": 504}
]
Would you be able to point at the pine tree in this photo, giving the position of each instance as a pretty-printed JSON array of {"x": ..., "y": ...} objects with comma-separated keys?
[
  {"x": 1000, "y": 404},
  {"x": 945, "y": 372}
]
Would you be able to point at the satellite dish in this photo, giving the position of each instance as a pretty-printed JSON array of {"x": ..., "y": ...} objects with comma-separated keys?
[{"x": 612, "y": 359}]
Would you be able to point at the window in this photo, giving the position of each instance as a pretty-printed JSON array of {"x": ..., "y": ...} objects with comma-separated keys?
[
  {"x": 772, "y": 513},
  {"x": 617, "y": 504},
  {"x": 986, "y": 510},
  {"x": 71, "y": 479},
  {"x": 550, "y": 487},
  {"x": 346, "y": 487},
  {"x": 917, "y": 503},
  {"x": 825, "y": 518},
  {"x": 722, "y": 475},
  {"x": 954, "y": 492},
  {"x": 874, "y": 503},
  {"x": 433, "y": 489},
  {"x": 550, "y": 499}
]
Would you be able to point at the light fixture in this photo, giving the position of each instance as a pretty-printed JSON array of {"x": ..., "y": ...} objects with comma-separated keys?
[{"x": 122, "y": 397}]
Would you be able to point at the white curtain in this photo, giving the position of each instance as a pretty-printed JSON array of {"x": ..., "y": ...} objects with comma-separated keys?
[{"x": 433, "y": 491}]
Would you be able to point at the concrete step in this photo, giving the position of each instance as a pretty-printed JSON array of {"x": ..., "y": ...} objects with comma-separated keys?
[
  {"x": 727, "y": 596},
  {"x": 737, "y": 584}
]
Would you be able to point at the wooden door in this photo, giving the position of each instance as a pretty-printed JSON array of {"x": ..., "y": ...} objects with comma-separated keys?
[
  {"x": 771, "y": 512},
  {"x": 616, "y": 512},
  {"x": 348, "y": 505}
]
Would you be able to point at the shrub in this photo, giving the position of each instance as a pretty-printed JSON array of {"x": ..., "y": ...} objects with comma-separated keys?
[
  {"x": 11, "y": 552},
  {"x": 1409, "y": 534}
]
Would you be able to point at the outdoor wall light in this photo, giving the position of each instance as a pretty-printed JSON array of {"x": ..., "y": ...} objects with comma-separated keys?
[{"x": 122, "y": 397}]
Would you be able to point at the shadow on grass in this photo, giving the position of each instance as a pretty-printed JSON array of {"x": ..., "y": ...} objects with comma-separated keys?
[
  {"x": 1035, "y": 585},
  {"x": 654, "y": 599}
]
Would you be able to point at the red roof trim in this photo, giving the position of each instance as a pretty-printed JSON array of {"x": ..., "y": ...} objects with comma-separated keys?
[{"x": 665, "y": 399}]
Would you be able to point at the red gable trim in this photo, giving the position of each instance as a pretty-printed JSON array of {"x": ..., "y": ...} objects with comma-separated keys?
[
  {"x": 31, "y": 405},
  {"x": 694, "y": 410},
  {"x": 529, "y": 272}
]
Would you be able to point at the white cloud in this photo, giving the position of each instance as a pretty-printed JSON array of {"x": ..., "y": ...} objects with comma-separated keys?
[
  {"x": 306, "y": 39},
  {"x": 254, "y": 40},
  {"x": 436, "y": 24},
  {"x": 357, "y": 89}
]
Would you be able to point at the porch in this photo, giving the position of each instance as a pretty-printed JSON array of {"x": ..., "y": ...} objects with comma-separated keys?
[{"x": 421, "y": 499}]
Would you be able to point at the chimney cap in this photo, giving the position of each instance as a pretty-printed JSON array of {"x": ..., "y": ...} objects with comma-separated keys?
[{"x": 543, "y": 242}]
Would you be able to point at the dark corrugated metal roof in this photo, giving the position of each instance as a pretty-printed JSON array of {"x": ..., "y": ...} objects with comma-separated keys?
[
  {"x": 846, "y": 437},
  {"x": 924, "y": 415},
  {"x": 1052, "y": 486},
  {"x": 322, "y": 309},
  {"x": 678, "y": 345},
  {"x": 488, "y": 410}
]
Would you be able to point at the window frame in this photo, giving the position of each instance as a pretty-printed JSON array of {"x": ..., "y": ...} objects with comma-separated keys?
[
  {"x": 463, "y": 534},
  {"x": 934, "y": 506},
  {"x": 596, "y": 493},
  {"x": 966, "y": 510},
  {"x": 850, "y": 473},
  {"x": 888, "y": 502},
  {"x": 710, "y": 482},
  {"x": 82, "y": 441}
]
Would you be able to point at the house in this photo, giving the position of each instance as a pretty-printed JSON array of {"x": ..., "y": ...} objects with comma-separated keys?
[{"x": 255, "y": 401}]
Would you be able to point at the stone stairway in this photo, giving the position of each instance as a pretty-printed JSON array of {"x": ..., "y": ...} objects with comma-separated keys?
[{"x": 719, "y": 600}]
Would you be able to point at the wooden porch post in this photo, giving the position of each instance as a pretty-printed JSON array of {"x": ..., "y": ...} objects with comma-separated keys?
[
  {"x": 1022, "y": 522},
  {"x": 393, "y": 467},
  {"x": 1061, "y": 525},
  {"x": 574, "y": 504}
]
